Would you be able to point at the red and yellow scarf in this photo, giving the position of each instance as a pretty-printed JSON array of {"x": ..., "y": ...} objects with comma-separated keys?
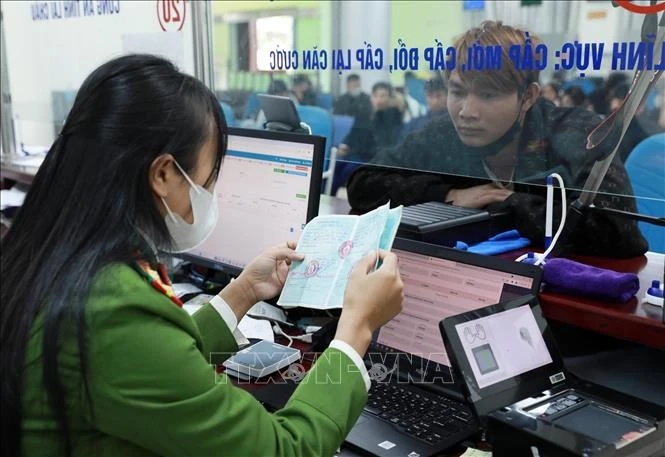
[{"x": 158, "y": 278}]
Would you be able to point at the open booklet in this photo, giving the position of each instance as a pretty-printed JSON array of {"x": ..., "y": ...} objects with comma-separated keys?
[{"x": 332, "y": 244}]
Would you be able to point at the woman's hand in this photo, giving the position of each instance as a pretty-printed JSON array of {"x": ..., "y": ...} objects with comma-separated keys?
[
  {"x": 261, "y": 279},
  {"x": 371, "y": 299}
]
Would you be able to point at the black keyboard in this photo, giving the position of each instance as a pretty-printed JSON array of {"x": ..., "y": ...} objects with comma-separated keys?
[
  {"x": 425, "y": 217},
  {"x": 425, "y": 416}
]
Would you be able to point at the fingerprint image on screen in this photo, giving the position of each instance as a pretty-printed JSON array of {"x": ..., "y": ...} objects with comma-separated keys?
[{"x": 485, "y": 359}]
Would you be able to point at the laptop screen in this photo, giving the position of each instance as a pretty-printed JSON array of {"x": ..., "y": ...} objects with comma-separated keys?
[
  {"x": 435, "y": 288},
  {"x": 503, "y": 345},
  {"x": 503, "y": 352}
]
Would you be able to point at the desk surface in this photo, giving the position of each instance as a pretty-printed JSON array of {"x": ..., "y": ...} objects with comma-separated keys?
[
  {"x": 633, "y": 321},
  {"x": 17, "y": 172}
]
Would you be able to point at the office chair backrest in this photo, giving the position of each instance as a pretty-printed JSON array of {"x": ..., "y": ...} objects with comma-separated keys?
[
  {"x": 416, "y": 89},
  {"x": 228, "y": 114},
  {"x": 341, "y": 127},
  {"x": 325, "y": 101},
  {"x": 320, "y": 121},
  {"x": 645, "y": 166},
  {"x": 252, "y": 106}
]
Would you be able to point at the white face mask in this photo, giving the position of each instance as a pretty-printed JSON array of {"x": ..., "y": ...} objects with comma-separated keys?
[{"x": 204, "y": 208}]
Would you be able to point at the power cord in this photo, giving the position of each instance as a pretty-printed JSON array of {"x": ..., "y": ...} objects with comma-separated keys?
[
  {"x": 540, "y": 258},
  {"x": 307, "y": 337}
]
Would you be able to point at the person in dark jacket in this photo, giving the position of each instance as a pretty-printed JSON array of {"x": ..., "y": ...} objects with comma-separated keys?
[
  {"x": 371, "y": 131},
  {"x": 640, "y": 128},
  {"x": 354, "y": 102},
  {"x": 495, "y": 149},
  {"x": 378, "y": 129},
  {"x": 436, "y": 95}
]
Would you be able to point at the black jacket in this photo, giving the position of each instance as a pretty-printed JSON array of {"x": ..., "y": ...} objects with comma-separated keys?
[{"x": 553, "y": 140}]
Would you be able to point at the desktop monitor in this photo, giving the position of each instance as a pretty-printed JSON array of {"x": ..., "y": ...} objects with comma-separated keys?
[{"x": 268, "y": 188}]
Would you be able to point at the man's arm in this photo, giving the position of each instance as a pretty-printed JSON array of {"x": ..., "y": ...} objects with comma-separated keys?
[
  {"x": 598, "y": 234},
  {"x": 372, "y": 186},
  {"x": 394, "y": 174}
]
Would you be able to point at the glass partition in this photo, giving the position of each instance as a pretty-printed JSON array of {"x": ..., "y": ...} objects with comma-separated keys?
[
  {"x": 431, "y": 87},
  {"x": 470, "y": 102}
]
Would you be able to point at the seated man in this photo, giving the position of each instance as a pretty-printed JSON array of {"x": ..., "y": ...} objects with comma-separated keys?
[
  {"x": 436, "y": 95},
  {"x": 371, "y": 131},
  {"x": 495, "y": 148},
  {"x": 354, "y": 102}
]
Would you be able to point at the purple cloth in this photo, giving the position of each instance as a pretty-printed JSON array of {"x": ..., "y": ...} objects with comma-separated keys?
[{"x": 574, "y": 278}]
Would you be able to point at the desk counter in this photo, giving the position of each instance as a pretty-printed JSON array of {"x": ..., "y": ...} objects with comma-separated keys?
[
  {"x": 15, "y": 172},
  {"x": 634, "y": 320}
]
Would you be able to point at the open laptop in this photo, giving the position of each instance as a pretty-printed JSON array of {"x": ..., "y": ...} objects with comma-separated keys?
[
  {"x": 415, "y": 407},
  {"x": 515, "y": 380}
]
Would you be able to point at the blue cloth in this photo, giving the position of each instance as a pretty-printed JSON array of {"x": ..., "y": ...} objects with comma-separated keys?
[{"x": 498, "y": 244}]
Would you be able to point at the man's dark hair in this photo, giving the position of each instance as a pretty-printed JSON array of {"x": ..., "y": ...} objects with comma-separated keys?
[
  {"x": 300, "y": 79},
  {"x": 381, "y": 85},
  {"x": 620, "y": 91},
  {"x": 277, "y": 86},
  {"x": 505, "y": 79},
  {"x": 436, "y": 84},
  {"x": 614, "y": 79},
  {"x": 576, "y": 95},
  {"x": 352, "y": 77}
]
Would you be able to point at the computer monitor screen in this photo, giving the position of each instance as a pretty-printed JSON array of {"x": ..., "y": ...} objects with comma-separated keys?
[
  {"x": 268, "y": 188},
  {"x": 436, "y": 288}
]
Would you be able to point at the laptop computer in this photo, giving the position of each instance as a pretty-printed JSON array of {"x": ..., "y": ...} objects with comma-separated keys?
[
  {"x": 514, "y": 379},
  {"x": 415, "y": 407}
]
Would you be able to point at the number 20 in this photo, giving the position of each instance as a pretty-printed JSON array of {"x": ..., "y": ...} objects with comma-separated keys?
[{"x": 169, "y": 6}]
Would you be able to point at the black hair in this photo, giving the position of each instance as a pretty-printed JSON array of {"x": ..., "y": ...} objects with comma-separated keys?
[
  {"x": 576, "y": 95},
  {"x": 300, "y": 79},
  {"x": 620, "y": 91},
  {"x": 598, "y": 102},
  {"x": 435, "y": 84},
  {"x": 352, "y": 77},
  {"x": 615, "y": 78},
  {"x": 82, "y": 211},
  {"x": 277, "y": 86},
  {"x": 382, "y": 85}
]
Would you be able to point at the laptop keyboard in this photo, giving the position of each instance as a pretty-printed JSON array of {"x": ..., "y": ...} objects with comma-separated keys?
[{"x": 429, "y": 417}]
